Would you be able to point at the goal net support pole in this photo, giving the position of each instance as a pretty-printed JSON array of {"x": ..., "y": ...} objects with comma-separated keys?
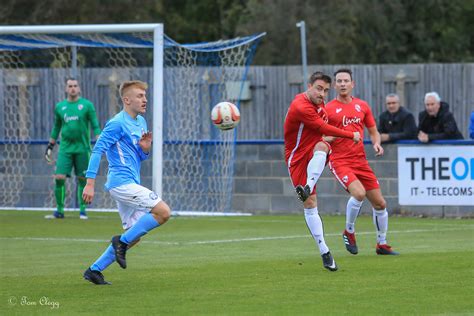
[
  {"x": 158, "y": 32},
  {"x": 192, "y": 162}
]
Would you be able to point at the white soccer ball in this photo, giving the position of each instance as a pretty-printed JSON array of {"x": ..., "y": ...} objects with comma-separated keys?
[{"x": 225, "y": 115}]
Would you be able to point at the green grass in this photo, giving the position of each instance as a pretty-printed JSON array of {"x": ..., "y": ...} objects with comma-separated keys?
[{"x": 222, "y": 266}]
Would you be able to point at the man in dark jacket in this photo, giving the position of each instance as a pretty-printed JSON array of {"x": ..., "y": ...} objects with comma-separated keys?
[
  {"x": 436, "y": 122},
  {"x": 397, "y": 122}
]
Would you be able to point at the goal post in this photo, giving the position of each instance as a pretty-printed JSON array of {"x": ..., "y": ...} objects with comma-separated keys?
[
  {"x": 158, "y": 32},
  {"x": 190, "y": 159}
]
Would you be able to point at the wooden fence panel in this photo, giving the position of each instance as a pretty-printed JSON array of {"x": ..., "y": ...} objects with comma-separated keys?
[{"x": 272, "y": 90}]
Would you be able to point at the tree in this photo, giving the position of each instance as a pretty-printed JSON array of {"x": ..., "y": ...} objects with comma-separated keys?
[{"x": 338, "y": 31}]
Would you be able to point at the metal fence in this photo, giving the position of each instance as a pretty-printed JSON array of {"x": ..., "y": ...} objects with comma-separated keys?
[{"x": 271, "y": 89}]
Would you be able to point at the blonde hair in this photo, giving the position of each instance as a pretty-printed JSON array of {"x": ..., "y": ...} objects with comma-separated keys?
[{"x": 126, "y": 85}]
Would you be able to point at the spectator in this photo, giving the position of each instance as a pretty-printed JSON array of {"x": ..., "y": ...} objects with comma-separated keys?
[
  {"x": 397, "y": 122},
  {"x": 436, "y": 122},
  {"x": 471, "y": 126}
]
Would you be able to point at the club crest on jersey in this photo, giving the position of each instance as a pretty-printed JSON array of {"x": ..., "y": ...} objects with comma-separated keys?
[
  {"x": 348, "y": 121},
  {"x": 345, "y": 179},
  {"x": 357, "y": 107},
  {"x": 80, "y": 107}
]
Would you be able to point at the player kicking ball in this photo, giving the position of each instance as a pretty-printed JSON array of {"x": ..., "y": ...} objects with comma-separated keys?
[
  {"x": 348, "y": 162},
  {"x": 127, "y": 143},
  {"x": 306, "y": 152}
]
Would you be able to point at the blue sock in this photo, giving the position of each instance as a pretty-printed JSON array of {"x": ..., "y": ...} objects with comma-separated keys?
[
  {"x": 146, "y": 223},
  {"x": 107, "y": 258}
]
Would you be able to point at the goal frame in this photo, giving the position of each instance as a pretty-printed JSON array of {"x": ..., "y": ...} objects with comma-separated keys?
[{"x": 158, "y": 58}]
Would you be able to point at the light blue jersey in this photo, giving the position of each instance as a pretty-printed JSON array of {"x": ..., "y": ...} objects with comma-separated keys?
[{"x": 119, "y": 140}]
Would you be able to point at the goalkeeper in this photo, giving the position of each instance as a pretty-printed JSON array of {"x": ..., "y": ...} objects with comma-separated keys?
[{"x": 72, "y": 117}]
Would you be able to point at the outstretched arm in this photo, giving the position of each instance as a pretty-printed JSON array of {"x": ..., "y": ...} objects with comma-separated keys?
[
  {"x": 311, "y": 119},
  {"x": 110, "y": 135}
]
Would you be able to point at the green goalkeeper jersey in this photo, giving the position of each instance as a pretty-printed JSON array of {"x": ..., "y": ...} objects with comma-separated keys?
[{"x": 73, "y": 119}]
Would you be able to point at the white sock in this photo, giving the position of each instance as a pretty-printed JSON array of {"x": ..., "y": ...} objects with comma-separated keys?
[
  {"x": 381, "y": 225},
  {"x": 315, "y": 226},
  {"x": 352, "y": 211},
  {"x": 315, "y": 168}
]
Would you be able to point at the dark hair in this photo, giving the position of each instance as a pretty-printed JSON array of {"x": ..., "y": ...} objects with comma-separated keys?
[
  {"x": 319, "y": 75},
  {"x": 71, "y": 78},
  {"x": 345, "y": 70}
]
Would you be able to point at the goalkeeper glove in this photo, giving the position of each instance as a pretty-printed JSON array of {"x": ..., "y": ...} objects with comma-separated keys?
[{"x": 49, "y": 152}]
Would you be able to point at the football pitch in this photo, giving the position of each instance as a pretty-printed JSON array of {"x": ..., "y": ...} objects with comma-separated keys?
[{"x": 258, "y": 265}]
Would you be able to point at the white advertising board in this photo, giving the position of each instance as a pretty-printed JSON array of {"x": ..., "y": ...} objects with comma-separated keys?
[{"x": 436, "y": 175}]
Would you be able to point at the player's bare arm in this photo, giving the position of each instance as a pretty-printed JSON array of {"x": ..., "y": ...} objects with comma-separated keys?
[
  {"x": 327, "y": 129},
  {"x": 375, "y": 138},
  {"x": 145, "y": 142},
  {"x": 88, "y": 192},
  {"x": 384, "y": 137}
]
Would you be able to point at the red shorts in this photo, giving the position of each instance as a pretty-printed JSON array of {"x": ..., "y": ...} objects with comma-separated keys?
[
  {"x": 298, "y": 171},
  {"x": 348, "y": 172}
]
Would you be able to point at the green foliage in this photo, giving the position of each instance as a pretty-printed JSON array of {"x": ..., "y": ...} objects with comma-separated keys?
[
  {"x": 363, "y": 31},
  {"x": 259, "y": 265},
  {"x": 338, "y": 31}
]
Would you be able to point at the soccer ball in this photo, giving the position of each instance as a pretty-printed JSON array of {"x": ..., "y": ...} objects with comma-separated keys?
[{"x": 225, "y": 116}]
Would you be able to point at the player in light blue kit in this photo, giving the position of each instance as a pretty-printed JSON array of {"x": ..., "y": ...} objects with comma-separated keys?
[{"x": 126, "y": 142}]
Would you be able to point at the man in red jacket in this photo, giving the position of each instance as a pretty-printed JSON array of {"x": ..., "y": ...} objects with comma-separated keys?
[{"x": 306, "y": 152}]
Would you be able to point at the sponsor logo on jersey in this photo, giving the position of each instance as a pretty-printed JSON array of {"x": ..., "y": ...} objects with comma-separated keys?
[
  {"x": 153, "y": 195},
  {"x": 80, "y": 107},
  {"x": 338, "y": 110},
  {"x": 70, "y": 118},
  {"x": 348, "y": 121},
  {"x": 63, "y": 108},
  {"x": 319, "y": 110},
  {"x": 345, "y": 179},
  {"x": 357, "y": 107}
]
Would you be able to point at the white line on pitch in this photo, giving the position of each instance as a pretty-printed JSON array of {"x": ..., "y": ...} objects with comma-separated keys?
[{"x": 218, "y": 241}]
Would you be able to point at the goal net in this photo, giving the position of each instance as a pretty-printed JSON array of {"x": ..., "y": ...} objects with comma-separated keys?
[{"x": 197, "y": 158}]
